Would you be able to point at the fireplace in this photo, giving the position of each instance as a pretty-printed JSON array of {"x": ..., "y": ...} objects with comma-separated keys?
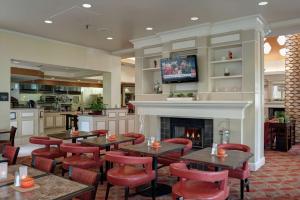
[{"x": 200, "y": 131}]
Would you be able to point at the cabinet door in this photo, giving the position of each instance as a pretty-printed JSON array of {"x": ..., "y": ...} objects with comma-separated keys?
[
  {"x": 122, "y": 126},
  {"x": 112, "y": 126},
  {"x": 49, "y": 122},
  {"x": 59, "y": 121},
  {"x": 131, "y": 125},
  {"x": 100, "y": 125},
  {"x": 27, "y": 127}
]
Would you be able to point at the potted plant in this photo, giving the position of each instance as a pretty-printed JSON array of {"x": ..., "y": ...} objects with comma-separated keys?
[
  {"x": 97, "y": 108},
  {"x": 181, "y": 97}
]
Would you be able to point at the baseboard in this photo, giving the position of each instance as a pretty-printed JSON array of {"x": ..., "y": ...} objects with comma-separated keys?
[{"x": 255, "y": 166}]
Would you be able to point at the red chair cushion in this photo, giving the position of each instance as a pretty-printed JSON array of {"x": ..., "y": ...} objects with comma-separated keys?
[
  {"x": 192, "y": 189},
  {"x": 240, "y": 173},
  {"x": 81, "y": 161},
  {"x": 51, "y": 153},
  {"x": 129, "y": 176}
]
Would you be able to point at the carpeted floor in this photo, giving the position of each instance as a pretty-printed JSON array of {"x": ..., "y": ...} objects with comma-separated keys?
[{"x": 278, "y": 179}]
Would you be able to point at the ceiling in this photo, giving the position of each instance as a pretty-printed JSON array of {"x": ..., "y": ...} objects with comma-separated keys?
[{"x": 127, "y": 19}]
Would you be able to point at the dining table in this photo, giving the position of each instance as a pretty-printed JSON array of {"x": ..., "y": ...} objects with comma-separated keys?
[
  {"x": 50, "y": 187},
  {"x": 67, "y": 135},
  {"x": 32, "y": 172},
  {"x": 232, "y": 160},
  {"x": 4, "y": 131},
  {"x": 105, "y": 142},
  {"x": 145, "y": 150}
]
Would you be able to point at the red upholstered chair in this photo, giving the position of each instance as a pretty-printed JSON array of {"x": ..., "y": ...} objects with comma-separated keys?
[
  {"x": 49, "y": 151},
  {"x": 101, "y": 132},
  {"x": 200, "y": 185},
  {"x": 85, "y": 177},
  {"x": 129, "y": 172},
  {"x": 242, "y": 173},
  {"x": 12, "y": 135},
  {"x": 11, "y": 153},
  {"x": 174, "y": 156},
  {"x": 80, "y": 159},
  {"x": 43, "y": 164}
]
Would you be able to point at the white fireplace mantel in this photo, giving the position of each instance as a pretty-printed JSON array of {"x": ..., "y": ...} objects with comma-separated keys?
[{"x": 193, "y": 109}]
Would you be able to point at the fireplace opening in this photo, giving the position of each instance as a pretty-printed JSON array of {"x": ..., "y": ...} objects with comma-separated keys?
[{"x": 200, "y": 131}]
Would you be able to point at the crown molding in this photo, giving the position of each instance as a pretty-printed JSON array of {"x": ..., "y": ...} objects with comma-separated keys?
[
  {"x": 286, "y": 27},
  {"x": 256, "y": 22}
]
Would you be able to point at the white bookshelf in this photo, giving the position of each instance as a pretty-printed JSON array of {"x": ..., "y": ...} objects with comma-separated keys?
[
  {"x": 219, "y": 62},
  {"x": 151, "y": 72}
]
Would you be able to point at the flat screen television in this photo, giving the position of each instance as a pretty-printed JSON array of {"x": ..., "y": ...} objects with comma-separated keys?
[{"x": 179, "y": 69}]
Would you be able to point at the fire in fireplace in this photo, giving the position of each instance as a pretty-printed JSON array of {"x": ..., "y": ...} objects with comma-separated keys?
[{"x": 200, "y": 131}]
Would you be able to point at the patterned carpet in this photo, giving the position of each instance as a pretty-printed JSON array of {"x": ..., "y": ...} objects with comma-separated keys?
[{"x": 278, "y": 179}]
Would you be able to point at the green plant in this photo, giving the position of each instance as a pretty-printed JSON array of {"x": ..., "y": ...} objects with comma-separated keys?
[
  {"x": 97, "y": 106},
  {"x": 180, "y": 95},
  {"x": 171, "y": 94},
  {"x": 190, "y": 94}
]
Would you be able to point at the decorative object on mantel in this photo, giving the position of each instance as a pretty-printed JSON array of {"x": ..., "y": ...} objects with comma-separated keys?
[
  {"x": 155, "y": 63},
  {"x": 157, "y": 88},
  {"x": 226, "y": 73},
  {"x": 181, "y": 97},
  {"x": 230, "y": 55}
]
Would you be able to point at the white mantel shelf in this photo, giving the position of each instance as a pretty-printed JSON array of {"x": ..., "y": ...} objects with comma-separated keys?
[{"x": 193, "y": 109}]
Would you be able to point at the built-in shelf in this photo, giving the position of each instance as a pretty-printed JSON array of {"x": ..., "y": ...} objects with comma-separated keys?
[
  {"x": 151, "y": 69},
  {"x": 226, "y": 61},
  {"x": 226, "y": 46},
  {"x": 226, "y": 77}
]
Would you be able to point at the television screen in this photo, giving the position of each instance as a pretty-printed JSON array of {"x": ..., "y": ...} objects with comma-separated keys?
[{"x": 179, "y": 69}]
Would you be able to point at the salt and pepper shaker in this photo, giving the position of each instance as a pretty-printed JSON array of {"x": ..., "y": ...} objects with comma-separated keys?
[{"x": 17, "y": 179}]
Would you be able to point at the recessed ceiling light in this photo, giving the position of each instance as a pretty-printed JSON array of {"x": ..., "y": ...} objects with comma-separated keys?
[
  {"x": 263, "y": 3},
  {"x": 149, "y": 28},
  {"x": 48, "y": 21},
  {"x": 194, "y": 18},
  {"x": 109, "y": 38},
  {"x": 16, "y": 62},
  {"x": 86, "y": 5}
]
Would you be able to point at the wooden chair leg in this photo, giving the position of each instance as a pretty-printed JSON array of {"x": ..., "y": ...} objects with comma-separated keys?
[
  {"x": 126, "y": 193},
  {"x": 242, "y": 187},
  {"x": 63, "y": 171},
  {"x": 107, "y": 190}
]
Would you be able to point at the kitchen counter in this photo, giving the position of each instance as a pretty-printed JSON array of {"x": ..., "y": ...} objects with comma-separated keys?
[{"x": 115, "y": 121}]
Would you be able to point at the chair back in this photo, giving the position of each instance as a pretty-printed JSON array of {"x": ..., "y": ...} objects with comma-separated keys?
[
  {"x": 78, "y": 149},
  {"x": 85, "y": 177},
  {"x": 43, "y": 164},
  {"x": 120, "y": 159},
  {"x": 43, "y": 140},
  {"x": 12, "y": 135},
  {"x": 139, "y": 138},
  {"x": 180, "y": 170},
  {"x": 11, "y": 153},
  {"x": 188, "y": 143},
  {"x": 101, "y": 132},
  {"x": 237, "y": 147}
]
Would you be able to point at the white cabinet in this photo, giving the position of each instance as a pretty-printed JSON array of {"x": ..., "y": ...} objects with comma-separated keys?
[
  {"x": 59, "y": 121},
  {"x": 27, "y": 127},
  {"x": 49, "y": 122},
  {"x": 112, "y": 126},
  {"x": 100, "y": 125},
  {"x": 131, "y": 125},
  {"x": 122, "y": 126}
]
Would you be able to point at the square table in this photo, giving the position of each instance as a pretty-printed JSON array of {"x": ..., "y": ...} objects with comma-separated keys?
[
  {"x": 51, "y": 187},
  {"x": 32, "y": 172},
  {"x": 233, "y": 160},
  {"x": 66, "y": 135},
  {"x": 105, "y": 143},
  {"x": 144, "y": 149},
  {"x": 4, "y": 131}
]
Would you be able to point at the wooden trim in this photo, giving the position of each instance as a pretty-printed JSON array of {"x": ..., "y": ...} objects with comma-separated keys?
[
  {"x": 66, "y": 83},
  {"x": 26, "y": 72}
]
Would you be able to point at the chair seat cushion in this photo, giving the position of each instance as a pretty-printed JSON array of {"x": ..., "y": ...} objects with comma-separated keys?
[
  {"x": 192, "y": 189},
  {"x": 51, "y": 153},
  {"x": 239, "y": 173},
  {"x": 129, "y": 176},
  {"x": 81, "y": 161}
]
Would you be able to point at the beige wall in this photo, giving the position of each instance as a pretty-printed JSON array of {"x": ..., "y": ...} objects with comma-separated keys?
[
  {"x": 127, "y": 73},
  {"x": 35, "y": 49}
]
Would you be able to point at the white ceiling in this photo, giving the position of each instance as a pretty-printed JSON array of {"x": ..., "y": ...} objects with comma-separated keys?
[{"x": 127, "y": 19}]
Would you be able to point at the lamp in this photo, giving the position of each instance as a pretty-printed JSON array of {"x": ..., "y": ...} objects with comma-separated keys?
[
  {"x": 267, "y": 48},
  {"x": 281, "y": 40},
  {"x": 3, "y": 170},
  {"x": 282, "y": 52}
]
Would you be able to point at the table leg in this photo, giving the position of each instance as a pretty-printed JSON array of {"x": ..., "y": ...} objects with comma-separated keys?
[
  {"x": 74, "y": 140},
  {"x": 67, "y": 122},
  {"x": 107, "y": 163}
]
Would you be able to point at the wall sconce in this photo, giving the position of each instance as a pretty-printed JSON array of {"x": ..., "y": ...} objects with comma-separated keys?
[{"x": 3, "y": 170}]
